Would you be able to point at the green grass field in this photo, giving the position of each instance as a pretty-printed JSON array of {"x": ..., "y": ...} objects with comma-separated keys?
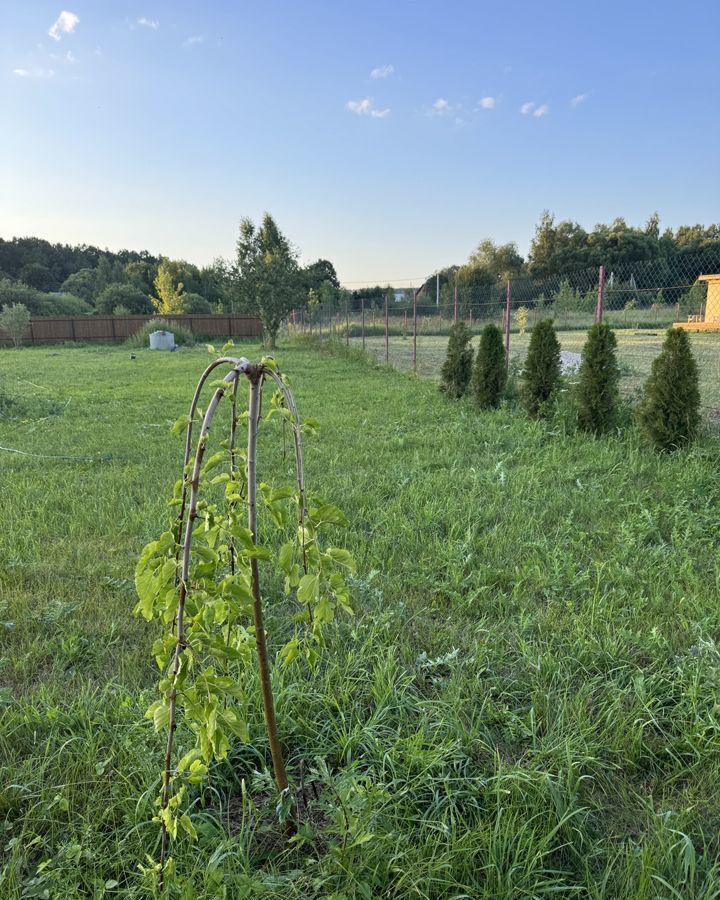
[{"x": 526, "y": 703}]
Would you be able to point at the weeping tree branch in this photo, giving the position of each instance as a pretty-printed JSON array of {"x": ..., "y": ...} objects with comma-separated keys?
[{"x": 240, "y": 365}]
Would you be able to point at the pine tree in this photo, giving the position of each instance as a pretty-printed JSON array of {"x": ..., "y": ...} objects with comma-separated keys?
[
  {"x": 542, "y": 367},
  {"x": 457, "y": 368},
  {"x": 599, "y": 377},
  {"x": 669, "y": 413},
  {"x": 489, "y": 373}
]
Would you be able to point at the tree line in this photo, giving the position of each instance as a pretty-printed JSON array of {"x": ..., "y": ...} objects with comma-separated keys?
[{"x": 266, "y": 278}]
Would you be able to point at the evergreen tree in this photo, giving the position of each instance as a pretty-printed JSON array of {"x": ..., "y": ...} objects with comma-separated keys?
[
  {"x": 489, "y": 373},
  {"x": 669, "y": 413},
  {"x": 457, "y": 368},
  {"x": 542, "y": 367},
  {"x": 599, "y": 377}
]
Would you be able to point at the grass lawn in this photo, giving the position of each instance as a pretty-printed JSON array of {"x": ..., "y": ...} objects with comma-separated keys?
[{"x": 526, "y": 703}]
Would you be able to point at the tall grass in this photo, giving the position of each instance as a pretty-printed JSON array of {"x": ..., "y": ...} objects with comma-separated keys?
[{"x": 524, "y": 705}]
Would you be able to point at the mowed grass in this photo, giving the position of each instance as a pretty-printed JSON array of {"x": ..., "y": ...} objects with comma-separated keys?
[
  {"x": 524, "y": 705},
  {"x": 636, "y": 351}
]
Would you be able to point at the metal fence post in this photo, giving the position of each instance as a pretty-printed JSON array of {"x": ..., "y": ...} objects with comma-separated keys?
[
  {"x": 508, "y": 295},
  {"x": 415, "y": 293},
  {"x": 347, "y": 323},
  {"x": 362, "y": 307},
  {"x": 601, "y": 294},
  {"x": 387, "y": 334}
]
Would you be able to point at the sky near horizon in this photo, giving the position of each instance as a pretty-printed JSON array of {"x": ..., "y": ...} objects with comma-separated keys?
[{"x": 389, "y": 137}]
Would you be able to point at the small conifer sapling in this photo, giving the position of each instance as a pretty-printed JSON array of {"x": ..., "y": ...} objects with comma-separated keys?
[
  {"x": 457, "y": 369},
  {"x": 489, "y": 373},
  {"x": 669, "y": 413}
]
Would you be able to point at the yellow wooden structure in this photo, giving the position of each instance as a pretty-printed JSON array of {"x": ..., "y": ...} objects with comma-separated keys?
[{"x": 710, "y": 321}]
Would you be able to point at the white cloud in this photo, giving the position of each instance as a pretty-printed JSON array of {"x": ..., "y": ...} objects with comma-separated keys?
[
  {"x": 70, "y": 57},
  {"x": 34, "y": 73},
  {"x": 527, "y": 108},
  {"x": 382, "y": 72},
  {"x": 366, "y": 107},
  {"x": 541, "y": 111},
  {"x": 193, "y": 39},
  {"x": 148, "y": 23},
  {"x": 576, "y": 101},
  {"x": 488, "y": 103},
  {"x": 65, "y": 23},
  {"x": 441, "y": 106}
]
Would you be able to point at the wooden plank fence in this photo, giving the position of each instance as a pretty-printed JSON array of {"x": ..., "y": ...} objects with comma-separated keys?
[{"x": 54, "y": 329}]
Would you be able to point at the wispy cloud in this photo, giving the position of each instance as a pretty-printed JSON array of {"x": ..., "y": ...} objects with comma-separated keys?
[
  {"x": 383, "y": 72},
  {"x": 70, "y": 57},
  {"x": 441, "y": 106},
  {"x": 488, "y": 103},
  {"x": 366, "y": 107},
  {"x": 527, "y": 108},
  {"x": 65, "y": 23},
  {"x": 148, "y": 23},
  {"x": 580, "y": 98},
  {"x": 37, "y": 72},
  {"x": 541, "y": 111},
  {"x": 193, "y": 40}
]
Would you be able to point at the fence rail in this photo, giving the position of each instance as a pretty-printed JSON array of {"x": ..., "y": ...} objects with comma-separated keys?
[{"x": 54, "y": 329}]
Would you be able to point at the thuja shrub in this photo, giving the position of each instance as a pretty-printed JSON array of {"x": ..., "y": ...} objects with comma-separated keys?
[
  {"x": 597, "y": 393},
  {"x": 542, "y": 368},
  {"x": 456, "y": 371},
  {"x": 489, "y": 372},
  {"x": 669, "y": 412}
]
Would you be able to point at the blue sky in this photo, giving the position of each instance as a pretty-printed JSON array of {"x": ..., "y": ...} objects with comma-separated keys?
[{"x": 389, "y": 137}]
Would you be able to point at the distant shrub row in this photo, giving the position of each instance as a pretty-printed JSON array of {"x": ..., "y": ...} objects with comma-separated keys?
[{"x": 669, "y": 411}]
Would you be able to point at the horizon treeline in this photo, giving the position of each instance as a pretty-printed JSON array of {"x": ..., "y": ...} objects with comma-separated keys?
[{"x": 55, "y": 278}]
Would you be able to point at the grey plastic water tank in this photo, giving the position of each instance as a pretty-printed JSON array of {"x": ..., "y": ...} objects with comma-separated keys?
[{"x": 162, "y": 340}]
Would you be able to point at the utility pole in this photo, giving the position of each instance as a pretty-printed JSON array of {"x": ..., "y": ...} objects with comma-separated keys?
[{"x": 437, "y": 289}]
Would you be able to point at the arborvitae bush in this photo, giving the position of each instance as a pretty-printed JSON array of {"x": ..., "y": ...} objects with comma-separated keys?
[
  {"x": 599, "y": 376},
  {"x": 457, "y": 368},
  {"x": 489, "y": 373},
  {"x": 669, "y": 413},
  {"x": 542, "y": 367}
]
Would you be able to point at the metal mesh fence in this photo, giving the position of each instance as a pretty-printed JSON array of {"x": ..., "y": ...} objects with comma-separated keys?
[{"x": 639, "y": 300}]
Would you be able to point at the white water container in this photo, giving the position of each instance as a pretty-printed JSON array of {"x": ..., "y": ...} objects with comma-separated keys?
[{"x": 162, "y": 340}]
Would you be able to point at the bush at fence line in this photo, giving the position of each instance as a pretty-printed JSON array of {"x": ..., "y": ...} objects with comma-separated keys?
[
  {"x": 15, "y": 322},
  {"x": 669, "y": 412},
  {"x": 141, "y": 338},
  {"x": 597, "y": 394},
  {"x": 457, "y": 369},
  {"x": 489, "y": 372},
  {"x": 542, "y": 367}
]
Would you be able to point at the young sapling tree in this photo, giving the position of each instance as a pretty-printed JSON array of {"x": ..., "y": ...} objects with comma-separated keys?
[
  {"x": 457, "y": 369},
  {"x": 542, "y": 367},
  {"x": 201, "y": 580},
  {"x": 597, "y": 395},
  {"x": 669, "y": 413},
  {"x": 489, "y": 372}
]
